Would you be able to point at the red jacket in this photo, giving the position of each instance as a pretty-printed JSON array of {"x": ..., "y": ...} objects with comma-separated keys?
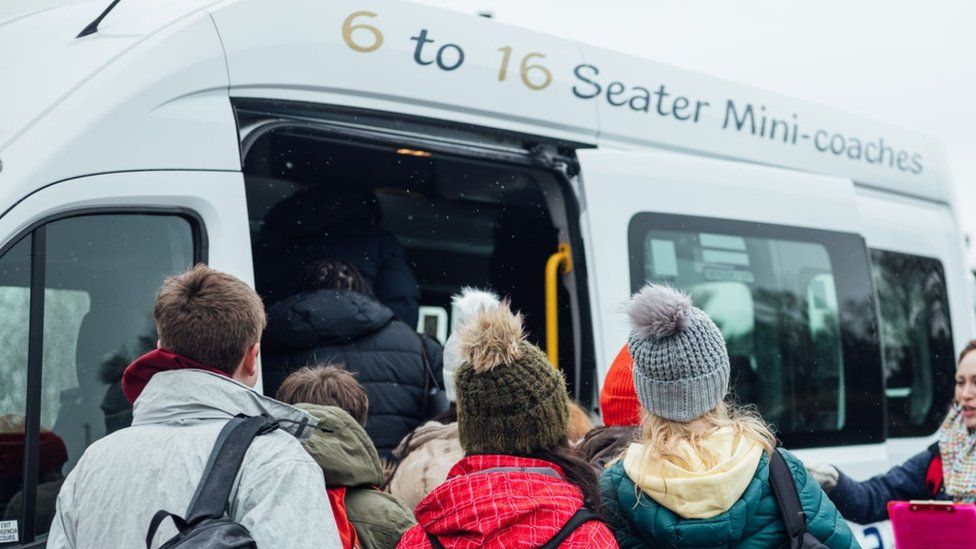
[{"x": 502, "y": 510}]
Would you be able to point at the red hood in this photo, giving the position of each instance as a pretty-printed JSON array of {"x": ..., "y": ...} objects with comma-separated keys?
[
  {"x": 498, "y": 510},
  {"x": 138, "y": 374}
]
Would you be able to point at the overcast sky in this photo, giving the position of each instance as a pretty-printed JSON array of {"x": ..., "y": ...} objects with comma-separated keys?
[{"x": 908, "y": 63}]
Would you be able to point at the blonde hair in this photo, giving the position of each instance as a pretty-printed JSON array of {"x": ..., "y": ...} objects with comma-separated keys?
[
  {"x": 661, "y": 437},
  {"x": 579, "y": 423}
]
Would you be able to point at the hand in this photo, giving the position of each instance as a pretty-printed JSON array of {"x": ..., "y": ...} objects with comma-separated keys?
[{"x": 825, "y": 474}]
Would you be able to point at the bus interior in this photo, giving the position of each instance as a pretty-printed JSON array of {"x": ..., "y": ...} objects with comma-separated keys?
[{"x": 463, "y": 219}]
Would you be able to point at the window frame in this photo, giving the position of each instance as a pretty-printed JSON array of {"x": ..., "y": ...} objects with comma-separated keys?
[
  {"x": 860, "y": 344},
  {"x": 27, "y": 441},
  {"x": 35, "y": 334},
  {"x": 937, "y": 263}
]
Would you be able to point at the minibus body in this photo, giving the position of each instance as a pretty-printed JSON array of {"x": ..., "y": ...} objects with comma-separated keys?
[{"x": 565, "y": 176}]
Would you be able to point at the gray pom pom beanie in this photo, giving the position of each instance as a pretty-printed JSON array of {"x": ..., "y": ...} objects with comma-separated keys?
[{"x": 681, "y": 365}]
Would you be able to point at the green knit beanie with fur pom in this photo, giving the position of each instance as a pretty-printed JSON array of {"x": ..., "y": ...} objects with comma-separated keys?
[{"x": 510, "y": 400}]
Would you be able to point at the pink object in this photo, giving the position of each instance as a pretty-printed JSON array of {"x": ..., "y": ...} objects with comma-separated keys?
[{"x": 931, "y": 524}]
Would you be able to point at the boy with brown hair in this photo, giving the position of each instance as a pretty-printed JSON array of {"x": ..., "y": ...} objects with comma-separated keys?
[
  {"x": 352, "y": 467},
  {"x": 200, "y": 376}
]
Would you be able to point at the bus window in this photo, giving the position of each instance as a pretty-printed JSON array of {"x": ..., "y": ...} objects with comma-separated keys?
[
  {"x": 916, "y": 334},
  {"x": 100, "y": 273},
  {"x": 777, "y": 295}
]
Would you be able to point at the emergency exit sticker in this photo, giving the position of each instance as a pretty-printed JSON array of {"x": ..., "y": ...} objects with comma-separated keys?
[{"x": 9, "y": 532}]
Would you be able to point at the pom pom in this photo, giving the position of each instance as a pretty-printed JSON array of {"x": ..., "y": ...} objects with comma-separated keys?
[
  {"x": 658, "y": 311},
  {"x": 492, "y": 338},
  {"x": 470, "y": 302}
]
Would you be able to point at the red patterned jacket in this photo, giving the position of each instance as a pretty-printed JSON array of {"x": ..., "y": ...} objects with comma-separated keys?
[{"x": 502, "y": 510}]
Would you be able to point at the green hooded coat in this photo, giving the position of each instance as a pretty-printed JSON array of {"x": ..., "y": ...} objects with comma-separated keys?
[
  {"x": 348, "y": 458},
  {"x": 751, "y": 522}
]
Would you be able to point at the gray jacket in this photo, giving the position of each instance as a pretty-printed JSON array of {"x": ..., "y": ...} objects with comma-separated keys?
[{"x": 121, "y": 481}]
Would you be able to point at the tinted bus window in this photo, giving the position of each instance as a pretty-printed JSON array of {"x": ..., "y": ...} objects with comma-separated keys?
[
  {"x": 101, "y": 277},
  {"x": 916, "y": 334},
  {"x": 797, "y": 312},
  {"x": 98, "y": 279}
]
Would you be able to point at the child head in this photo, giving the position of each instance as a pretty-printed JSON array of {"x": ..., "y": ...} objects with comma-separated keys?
[
  {"x": 326, "y": 386},
  {"x": 212, "y": 318},
  {"x": 332, "y": 274},
  {"x": 681, "y": 374},
  {"x": 510, "y": 400},
  {"x": 618, "y": 398}
]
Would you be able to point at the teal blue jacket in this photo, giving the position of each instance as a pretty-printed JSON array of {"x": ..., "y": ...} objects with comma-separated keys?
[{"x": 752, "y": 522}]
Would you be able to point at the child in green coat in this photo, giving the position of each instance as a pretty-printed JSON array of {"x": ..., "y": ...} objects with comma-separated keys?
[
  {"x": 699, "y": 476},
  {"x": 367, "y": 518}
]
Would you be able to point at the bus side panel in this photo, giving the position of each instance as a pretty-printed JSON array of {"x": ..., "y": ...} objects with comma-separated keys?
[
  {"x": 405, "y": 58},
  {"x": 161, "y": 105}
]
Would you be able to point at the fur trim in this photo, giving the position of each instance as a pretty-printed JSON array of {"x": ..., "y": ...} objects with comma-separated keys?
[
  {"x": 492, "y": 338},
  {"x": 470, "y": 302},
  {"x": 658, "y": 311}
]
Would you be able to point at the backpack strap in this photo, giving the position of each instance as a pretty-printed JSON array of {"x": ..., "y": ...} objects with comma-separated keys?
[
  {"x": 158, "y": 519},
  {"x": 547, "y": 471},
  {"x": 212, "y": 495},
  {"x": 581, "y": 517},
  {"x": 783, "y": 486},
  {"x": 434, "y": 542}
]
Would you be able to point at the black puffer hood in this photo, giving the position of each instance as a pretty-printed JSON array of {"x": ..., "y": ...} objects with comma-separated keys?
[{"x": 324, "y": 317}]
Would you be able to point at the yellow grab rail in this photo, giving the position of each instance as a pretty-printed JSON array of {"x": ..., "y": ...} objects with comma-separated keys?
[{"x": 561, "y": 261}]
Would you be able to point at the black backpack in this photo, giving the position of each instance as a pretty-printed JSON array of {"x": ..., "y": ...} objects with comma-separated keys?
[
  {"x": 205, "y": 526},
  {"x": 788, "y": 502},
  {"x": 581, "y": 517}
]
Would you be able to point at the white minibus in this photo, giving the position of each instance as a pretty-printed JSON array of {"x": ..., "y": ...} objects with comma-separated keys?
[{"x": 137, "y": 141}]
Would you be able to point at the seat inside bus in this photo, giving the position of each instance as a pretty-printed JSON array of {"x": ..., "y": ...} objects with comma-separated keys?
[{"x": 460, "y": 222}]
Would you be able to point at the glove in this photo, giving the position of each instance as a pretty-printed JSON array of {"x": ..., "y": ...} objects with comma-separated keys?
[{"x": 825, "y": 474}]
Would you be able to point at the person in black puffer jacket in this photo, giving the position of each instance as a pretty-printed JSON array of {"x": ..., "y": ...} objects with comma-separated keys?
[
  {"x": 337, "y": 223},
  {"x": 336, "y": 320}
]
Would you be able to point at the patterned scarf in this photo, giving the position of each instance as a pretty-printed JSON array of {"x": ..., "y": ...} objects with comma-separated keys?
[{"x": 958, "y": 447}]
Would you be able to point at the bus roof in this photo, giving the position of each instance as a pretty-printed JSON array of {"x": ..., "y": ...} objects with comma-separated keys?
[{"x": 415, "y": 59}]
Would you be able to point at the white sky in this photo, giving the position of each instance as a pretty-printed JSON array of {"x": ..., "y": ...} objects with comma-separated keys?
[
  {"x": 904, "y": 62},
  {"x": 908, "y": 63}
]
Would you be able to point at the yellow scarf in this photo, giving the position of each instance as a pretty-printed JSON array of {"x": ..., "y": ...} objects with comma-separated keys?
[{"x": 686, "y": 485}]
